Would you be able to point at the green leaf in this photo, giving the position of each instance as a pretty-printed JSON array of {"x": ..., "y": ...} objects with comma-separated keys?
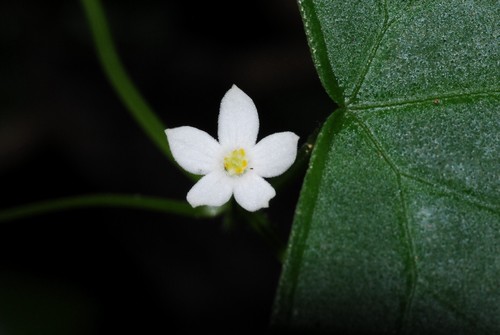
[{"x": 397, "y": 229}]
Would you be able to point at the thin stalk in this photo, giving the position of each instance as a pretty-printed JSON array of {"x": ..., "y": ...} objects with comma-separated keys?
[
  {"x": 262, "y": 226},
  {"x": 169, "y": 206},
  {"x": 119, "y": 79}
]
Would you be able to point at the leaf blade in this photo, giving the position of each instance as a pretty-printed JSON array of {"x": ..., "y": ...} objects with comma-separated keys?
[{"x": 397, "y": 226}]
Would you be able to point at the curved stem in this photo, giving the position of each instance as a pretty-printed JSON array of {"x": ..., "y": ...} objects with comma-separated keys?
[
  {"x": 121, "y": 82},
  {"x": 110, "y": 200}
]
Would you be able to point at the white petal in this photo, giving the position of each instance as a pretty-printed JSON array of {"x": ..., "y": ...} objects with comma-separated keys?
[
  {"x": 274, "y": 154},
  {"x": 214, "y": 189},
  {"x": 193, "y": 149},
  {"x": 253, "y": 192},
  {"x": 238, "y": 120}
]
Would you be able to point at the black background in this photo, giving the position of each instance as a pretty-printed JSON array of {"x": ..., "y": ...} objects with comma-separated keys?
[{"x": 63, "y": 132}]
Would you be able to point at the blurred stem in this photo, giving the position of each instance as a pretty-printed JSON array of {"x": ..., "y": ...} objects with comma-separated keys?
[
  {"x": 258, "y": 221},
  {"x": 261, "y": 224},
  {"x": 121, "y": 82},
  {"x": 110, "y": 200}
]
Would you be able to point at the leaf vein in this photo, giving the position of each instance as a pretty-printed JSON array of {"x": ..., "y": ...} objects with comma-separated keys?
[
  {"x": 371, "y": 56},
  {"x": 471, "y": 199},
  {"x": 436, "y": 98},
  {"x": 413, "y": 276},
  {"x": 412, "y": 272},
  {"x": 451, "y": 306},
  {"x": 411, "y": 266}
]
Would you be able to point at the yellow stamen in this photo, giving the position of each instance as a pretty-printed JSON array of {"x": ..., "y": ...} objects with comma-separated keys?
[{"x": 236, "y": 162}]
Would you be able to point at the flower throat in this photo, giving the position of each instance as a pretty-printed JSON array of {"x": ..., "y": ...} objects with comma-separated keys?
[{"x": 236, "y": 162}]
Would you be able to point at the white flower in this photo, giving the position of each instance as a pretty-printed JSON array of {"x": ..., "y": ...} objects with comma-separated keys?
[{"x": 236, "y": 164}]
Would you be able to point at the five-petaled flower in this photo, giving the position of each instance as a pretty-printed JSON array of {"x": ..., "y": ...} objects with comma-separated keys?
[{"x": 236, "y": 164}]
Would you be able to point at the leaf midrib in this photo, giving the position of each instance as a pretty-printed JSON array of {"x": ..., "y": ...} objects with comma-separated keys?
[
  {"x": 371, "y": 56},
  {"x": 411, "y": 265}
]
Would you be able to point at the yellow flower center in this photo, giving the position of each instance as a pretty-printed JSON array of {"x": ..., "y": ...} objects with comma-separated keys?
[{"x": 236, "y": 162}]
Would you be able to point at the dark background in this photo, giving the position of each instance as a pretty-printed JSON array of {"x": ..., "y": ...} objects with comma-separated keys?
[{"x": 64, "y": 132}]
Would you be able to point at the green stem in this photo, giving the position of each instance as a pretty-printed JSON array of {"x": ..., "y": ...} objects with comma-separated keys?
[
  {"x": 261, "y": 224},
  {"x": 110, "y": 200},
  {"x": 121, "y": 82}
]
